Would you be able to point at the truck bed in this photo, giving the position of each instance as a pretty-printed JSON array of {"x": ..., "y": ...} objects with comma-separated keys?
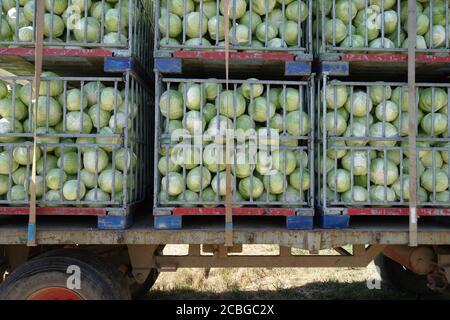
[{"x": 247, "y": 230}]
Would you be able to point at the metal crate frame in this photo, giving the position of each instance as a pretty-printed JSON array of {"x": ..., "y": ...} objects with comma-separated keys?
[
  {"x": 135, "y": 139},
  {"x": 323, "y": 48},
  {"x": 428, "y": 208},
  {"x": 271, "y": 208},
  {"x": 139, "y": 37},
  {"x": 304, "y": 50}
]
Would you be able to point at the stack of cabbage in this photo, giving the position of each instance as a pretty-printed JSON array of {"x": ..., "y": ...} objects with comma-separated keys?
[
  {"x": 275, "y": 174},
  {"x": 67, "y": 24},
  {"x": 72, "y": 172},
  {"x": 282, "y": 27},
  {"x": 381, "y": 112},
  {"x": 383, "y": 26}
]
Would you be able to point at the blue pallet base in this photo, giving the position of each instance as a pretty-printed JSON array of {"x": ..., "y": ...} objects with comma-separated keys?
[
  {"x": 332, "y": 221},
  {"x": 124, "y": 64},
  {"x": 334, "y": 68},
  {"x": 175, "y": 66},
  {"x": 299, "y": 222},
  {"x": 176, "y": 222},
  {"x": 168, "y": 222},
  {"x": 169, "y": 65},
  {"x": 110, "y": 222},
  {"x": 297, "y": 68}
]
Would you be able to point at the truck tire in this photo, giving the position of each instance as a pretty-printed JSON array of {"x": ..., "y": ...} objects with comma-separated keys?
[
  {"x": 138, "y": 290},
  {"x": 116, "y": 279},
  {"x": 45, "y": 278},
  {"x": 400, "y": 277}
]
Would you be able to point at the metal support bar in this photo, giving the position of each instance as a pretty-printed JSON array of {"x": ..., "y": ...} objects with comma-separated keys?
[
  {"x": 361, "y": 258},
  {"x": 342, "y": 251},
  {"x": 285, "y": 251},
  {"x": 412, "y": 125},
  {"x": 209, "y": 248},
  {"x": 194, "y": 250},
  {"x": 142, "y": 259}
]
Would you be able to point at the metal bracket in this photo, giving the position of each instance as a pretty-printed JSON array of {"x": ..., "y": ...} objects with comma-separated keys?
[
  {"x": 142, "y": 258},
  {"x": 16, "y": 255}
]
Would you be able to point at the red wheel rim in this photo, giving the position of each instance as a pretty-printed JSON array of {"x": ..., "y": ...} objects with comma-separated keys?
[{"x": 55, "y": 293}]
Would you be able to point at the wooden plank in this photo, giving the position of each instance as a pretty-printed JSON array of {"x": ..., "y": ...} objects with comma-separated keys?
[
  {"x": 38, "y": 55},
  {"x": 412, "y": 123},
  {"x": 228, "y": 144}
]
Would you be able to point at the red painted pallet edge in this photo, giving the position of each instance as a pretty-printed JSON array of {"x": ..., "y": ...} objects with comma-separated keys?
[
  {"x": 54, "y": 211},
  {"x": 384, "y": 57},
  {"x": 397, "y": 211},
  {"x": 86, "y": 53},
  {"x": 236, "y": 212},
  {"x": 233, "y": 55}
]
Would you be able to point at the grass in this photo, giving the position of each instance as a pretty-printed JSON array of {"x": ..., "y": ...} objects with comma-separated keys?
[{"x": 276, "y": 283}]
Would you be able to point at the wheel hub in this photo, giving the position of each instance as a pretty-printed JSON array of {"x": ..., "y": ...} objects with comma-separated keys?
[{"x": 54, "y": 293}]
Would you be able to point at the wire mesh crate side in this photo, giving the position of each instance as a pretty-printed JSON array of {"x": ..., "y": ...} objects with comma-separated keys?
[
  {"x": 373, "y": 163},
  {"x": 123, "y": 26},
  {"x": 346, "y": 26},
  {"x": 378, "y": 177},
  {"x": 199, "y": 26},
  {"x": 246, "y": 108},
  {"x": 143, "y": 33},
  {"x": 112, "y": 132},
  {"x": 139, "y": 134},
  {"x": 378, "y": 111}
]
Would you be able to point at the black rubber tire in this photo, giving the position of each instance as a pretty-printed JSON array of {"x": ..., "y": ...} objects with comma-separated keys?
[
  {"x": 50, "y": 269},
  {"x": 400, "y": 277},
  {"x": 116, "y": 279},
  {"x": 139, "y": 290}
]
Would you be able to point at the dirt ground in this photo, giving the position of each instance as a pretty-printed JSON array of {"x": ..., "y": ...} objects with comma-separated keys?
[{"x": 276, "y": 283}]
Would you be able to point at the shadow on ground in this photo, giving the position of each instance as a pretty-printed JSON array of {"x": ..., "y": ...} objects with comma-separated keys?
[{"x": 315, "y": 290}]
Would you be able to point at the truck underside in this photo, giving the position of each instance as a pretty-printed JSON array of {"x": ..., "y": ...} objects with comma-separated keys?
[{"x": 137, "y": 255}]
